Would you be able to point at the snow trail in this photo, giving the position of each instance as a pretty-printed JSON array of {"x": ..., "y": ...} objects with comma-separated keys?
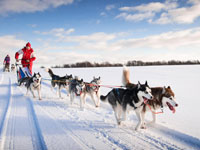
[
  {"x": 27, "y": 123},
  {"x": 5, "y": 109},
  {"x": 20, "y": 130}
]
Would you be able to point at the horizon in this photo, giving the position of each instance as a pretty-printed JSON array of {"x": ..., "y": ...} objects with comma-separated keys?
[{"x": 70, "y": 31}]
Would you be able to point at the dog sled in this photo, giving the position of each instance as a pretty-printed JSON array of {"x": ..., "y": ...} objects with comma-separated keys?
[{"x": 22, "y": 72}]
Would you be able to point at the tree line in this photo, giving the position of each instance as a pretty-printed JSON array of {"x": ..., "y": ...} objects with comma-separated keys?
[{"x": 129, "y": 63}]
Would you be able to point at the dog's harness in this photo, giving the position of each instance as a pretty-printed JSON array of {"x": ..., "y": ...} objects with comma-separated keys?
[
  {"x": 146, "y": 103},
  {"x": 152, "y": 110},
  {"x": 76, "y": 91},
  {"x": 94, "y": 85},
  {"x": 36, "y": 86},
  {"x": 131, "y": 104}
]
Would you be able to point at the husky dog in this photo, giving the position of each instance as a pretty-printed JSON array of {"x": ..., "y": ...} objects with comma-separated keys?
[
  {"x": 134, "y": 97},
  {"x": 13, "y": 68},
  {"x": 92, "y": 89},
  {"x": 60, "y": 82},
  {"x": 24, "y": 81},
  {"x": 76, "y": 87},
  {"x": 162, "y": 97},
  {"x": 34, "y": 83}
]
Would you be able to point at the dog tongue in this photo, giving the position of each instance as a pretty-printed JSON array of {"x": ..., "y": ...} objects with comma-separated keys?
[
  {"x": 171, "y": 107},
  {"x": 145, "y": 100}
]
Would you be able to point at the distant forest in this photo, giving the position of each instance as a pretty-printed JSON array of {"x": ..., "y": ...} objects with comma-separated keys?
[{"x": 129, "y": 63}]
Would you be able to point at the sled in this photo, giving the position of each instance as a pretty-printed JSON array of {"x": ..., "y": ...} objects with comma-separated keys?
[{"x": 22, "y": 72}]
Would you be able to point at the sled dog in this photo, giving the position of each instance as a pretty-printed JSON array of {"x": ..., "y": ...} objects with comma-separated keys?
[
  {"x": 134, "y": 97},
  {"x": 60, "y": 82},
  {"x": 92, "y": 89},
  {"x": 162, "y": 97},
  {"x": 33, "y": 83},
  {"x": 13, "y": 68},
  {"x": 76, "y": 87}
]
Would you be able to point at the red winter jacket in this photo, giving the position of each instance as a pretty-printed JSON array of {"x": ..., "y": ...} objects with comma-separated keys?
[{"x": 27, "y": 55}]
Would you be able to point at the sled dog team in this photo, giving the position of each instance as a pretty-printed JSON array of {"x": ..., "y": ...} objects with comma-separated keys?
[{"x": 134, "y": 96}]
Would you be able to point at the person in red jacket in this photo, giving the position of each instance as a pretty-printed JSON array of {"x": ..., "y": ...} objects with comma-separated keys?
[{"x": 27, "y": 58}]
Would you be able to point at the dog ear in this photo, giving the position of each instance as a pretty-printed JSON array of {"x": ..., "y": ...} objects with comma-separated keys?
[
  {"x": 39, "y": 74},
  {"x": 99, "y": 77},
  {"x": 146, "y": 83},
  {"x": 169, "y": 87},
  {"x": 138, "y": 85},
  {"x": 164, "y": 90}
]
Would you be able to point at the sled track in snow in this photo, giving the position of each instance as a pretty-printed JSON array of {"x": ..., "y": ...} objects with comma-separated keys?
[
  {"x": 5, "y": 115},
  {"x": 38, "y": 140},
  {"x": 66, "y": 129},
  {"x": 124, "y": 143},
  {"x": 145, "y": 137},
  {"x": 1, "y": 78},
  {"x": 110, "y": 140}
]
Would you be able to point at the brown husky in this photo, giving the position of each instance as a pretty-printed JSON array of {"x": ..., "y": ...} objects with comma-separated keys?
[{"x": 163, "y": 97}]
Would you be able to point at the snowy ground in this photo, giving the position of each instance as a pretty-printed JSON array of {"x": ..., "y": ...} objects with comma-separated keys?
[{"x": 27, "y": 123}]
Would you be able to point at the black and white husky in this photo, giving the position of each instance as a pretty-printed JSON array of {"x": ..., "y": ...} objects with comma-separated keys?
[
  {"x": 162, "y": 97},
  {"x": 92, "y": 89},
  {"x": 60, "y": 82},
  {"x": 134, "y": 97},
  {"x": 33, "y": 83},
  {"x": 76, "y": 87}
]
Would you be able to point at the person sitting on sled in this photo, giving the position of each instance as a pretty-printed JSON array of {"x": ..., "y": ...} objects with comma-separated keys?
[
  {"x": 27, "y": 58},
  {"x": 7, "y": 63}
]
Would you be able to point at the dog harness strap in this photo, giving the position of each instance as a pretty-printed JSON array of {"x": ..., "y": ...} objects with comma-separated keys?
[{"x": 36, "y": 86}]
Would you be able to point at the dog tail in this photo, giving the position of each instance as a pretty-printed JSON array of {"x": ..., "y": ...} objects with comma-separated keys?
[
  {"x": 125, "y": 76},
  {"x": 49, "y": 71},
  {"x": 103, "y": 98}
]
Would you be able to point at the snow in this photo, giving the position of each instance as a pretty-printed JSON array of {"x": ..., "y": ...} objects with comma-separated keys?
[{"x": 27, "y": 123}]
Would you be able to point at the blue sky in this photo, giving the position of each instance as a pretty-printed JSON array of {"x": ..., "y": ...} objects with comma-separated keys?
[{"x": 69, "y": 31}]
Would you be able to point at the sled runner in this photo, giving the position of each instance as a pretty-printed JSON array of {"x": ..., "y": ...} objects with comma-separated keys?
[{"x": 22, "y": 72}]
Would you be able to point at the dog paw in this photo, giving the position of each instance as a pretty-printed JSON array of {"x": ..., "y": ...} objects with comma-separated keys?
[
  {"x": 119, "y": 123},
  {"x": 136, "y": 129},
  {"x": 143, "y": 127}
]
